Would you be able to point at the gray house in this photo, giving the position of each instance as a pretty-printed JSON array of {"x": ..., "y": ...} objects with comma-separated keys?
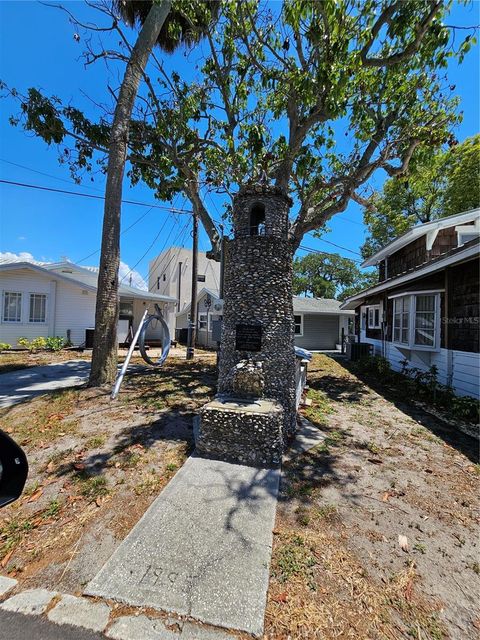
[{"x": 318, "y": 321}]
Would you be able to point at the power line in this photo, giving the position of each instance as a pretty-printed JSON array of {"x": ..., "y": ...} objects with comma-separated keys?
[
  {"x": 91, "y": 195},
  {"x": 339, "y": 246},
  {"x": 48, "y": 175},
  {"x": 328, "y": 253},
  {"x": 122, "y": 233},
  {"x": 146, "y": 252}
]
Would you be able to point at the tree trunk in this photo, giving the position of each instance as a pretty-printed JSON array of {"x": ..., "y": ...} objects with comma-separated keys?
[{"x": 104, "y": 358}]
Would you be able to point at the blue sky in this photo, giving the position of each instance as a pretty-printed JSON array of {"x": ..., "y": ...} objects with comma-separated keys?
[{"x": 37, "y": 48}]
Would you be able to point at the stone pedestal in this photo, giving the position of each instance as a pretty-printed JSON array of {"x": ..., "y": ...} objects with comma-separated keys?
[{"x": 244, "y": 431}]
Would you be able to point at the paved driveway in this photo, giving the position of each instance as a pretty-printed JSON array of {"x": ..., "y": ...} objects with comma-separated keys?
[{"x": 24, "y": 384}]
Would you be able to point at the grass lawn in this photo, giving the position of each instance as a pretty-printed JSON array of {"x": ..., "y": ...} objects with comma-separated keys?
[{"x": 385, "y": 469}]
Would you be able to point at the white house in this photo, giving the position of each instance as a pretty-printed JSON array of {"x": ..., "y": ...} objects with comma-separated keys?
[
  {"x": 318, "y": 321},
  {"x": 43, "y": 300}
]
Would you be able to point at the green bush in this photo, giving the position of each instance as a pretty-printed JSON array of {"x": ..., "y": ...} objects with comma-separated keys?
[
  {"x": 54, "y": 344},
  {"x": 4, "y": 346},
  {"x": 37, "y": 344},
  {"x": 422, "y": 385}
]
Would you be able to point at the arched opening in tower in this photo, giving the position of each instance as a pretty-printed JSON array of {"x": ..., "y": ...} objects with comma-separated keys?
[{"x": 257, "y": 219}]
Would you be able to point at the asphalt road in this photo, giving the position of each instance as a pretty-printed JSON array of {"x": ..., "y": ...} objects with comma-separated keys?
[{"x": 16, "y": 626}]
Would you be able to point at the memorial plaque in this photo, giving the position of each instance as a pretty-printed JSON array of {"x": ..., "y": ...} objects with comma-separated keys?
[{"x": 248, "y": 337}]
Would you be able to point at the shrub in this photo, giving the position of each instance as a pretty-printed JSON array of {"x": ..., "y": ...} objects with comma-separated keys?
[
  {"x": 37, "y": 344},
  {"x": 375, "y": 365},
  {"x": 466, "y": 408},
  {"x": 54, "y": 344},
  {"x": 4, "y": 346},
  {"x": 416, "y": 383}
]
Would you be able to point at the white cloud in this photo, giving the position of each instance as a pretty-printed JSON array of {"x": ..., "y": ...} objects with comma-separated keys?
[
  {"x": 21, "y": 238},
  {"x": 23, "y": 256},
  {"x": 124, "y": 274}
]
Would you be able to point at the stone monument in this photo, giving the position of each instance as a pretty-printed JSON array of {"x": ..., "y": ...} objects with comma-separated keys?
[{"x": 254, "y": 413}]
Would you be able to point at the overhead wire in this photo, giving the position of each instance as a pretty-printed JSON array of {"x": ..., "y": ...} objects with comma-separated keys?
[
  {"x": 91, "y": 195},
  {"x": 328, "y": 253},
  {"x": 146, "y": 252}
]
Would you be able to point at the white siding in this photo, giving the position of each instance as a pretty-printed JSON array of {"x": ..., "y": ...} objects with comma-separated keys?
[
  {"x": 25, "y": 282},
  {"x": 75, "y": 311},
  {"x": 465, "y": 366}
]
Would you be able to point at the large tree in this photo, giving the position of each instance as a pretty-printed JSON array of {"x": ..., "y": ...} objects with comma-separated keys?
[
  {"x": 326, "y": 275},
  {"x": 438, "y": 184},
  {"x": 317, "y": 95},
  {"x": 104, "y": 357}
]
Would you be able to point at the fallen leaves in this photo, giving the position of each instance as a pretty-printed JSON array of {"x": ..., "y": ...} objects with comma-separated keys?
[
  {"x": 403, "y": 542},
  {"x": 281, "y": 597},
  {"x": 35, "y": 496}
]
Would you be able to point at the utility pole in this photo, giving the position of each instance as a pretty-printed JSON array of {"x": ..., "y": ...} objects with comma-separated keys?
[{"x": 192, "y": 325}]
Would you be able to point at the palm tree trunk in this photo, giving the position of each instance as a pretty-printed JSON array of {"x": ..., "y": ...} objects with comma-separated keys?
[{"x": 104, "y": 358}]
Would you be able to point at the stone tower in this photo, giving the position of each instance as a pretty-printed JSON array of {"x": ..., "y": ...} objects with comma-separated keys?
[{"x": 258, "y": 313}]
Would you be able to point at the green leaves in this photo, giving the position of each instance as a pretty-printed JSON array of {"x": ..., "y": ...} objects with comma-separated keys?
[
  {"x": 320, "y": 95},
  {"x": 438, "y": 184}
]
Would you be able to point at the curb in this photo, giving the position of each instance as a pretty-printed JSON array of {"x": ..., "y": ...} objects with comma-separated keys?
[{"x": 100, "y": 616}]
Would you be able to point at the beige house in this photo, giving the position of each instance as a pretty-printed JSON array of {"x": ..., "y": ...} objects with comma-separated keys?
[{"x": 170, "y": 274}]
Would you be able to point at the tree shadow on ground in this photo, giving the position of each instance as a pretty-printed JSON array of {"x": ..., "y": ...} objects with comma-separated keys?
[{"x": 465, "y": 444}]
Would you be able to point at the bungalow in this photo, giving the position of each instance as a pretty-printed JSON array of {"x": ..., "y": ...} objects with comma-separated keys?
[
  {"x": 318, "y": 321},
  {"x": 43, "y": 300},
  {"x": 425, "y": 309}
]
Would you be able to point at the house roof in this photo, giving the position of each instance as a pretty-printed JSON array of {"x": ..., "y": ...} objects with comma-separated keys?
[
  {"x": 459, "y": 254},
  {"x": 317, "y": 305},
  {"x": 421, "y": 230},
  {"x": 211, "y": 292},
  {"x": 85, "y": 277}
]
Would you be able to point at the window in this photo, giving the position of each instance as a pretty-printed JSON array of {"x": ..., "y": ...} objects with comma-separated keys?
[
  {"x": 298, "y": 325},
  {"x": 425, "y": 320},
  {"x": 200, "y": 278},
  {"x": 257, "y": 219},
  {"x": 38, "y": 307},
  {"x": 202, "y": 321},
  {"x": 415, "y": 320},
  {"x": 401, "y": 320},
  {"x": 374, "y": 317},
  {"x": 12, "y": 307}
]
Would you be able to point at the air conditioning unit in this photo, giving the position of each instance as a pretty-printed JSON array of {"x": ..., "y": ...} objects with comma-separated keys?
[{"x": 218, "y": 306}]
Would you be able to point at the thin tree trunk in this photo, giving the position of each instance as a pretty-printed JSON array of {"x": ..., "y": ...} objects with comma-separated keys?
[{"x": 104, "y": 358}]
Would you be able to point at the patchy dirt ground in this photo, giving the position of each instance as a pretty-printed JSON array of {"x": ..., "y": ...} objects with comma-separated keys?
[
  {"x": 95, "y": 467},
  {"x": 386, "y": 476},
  {"x": 15, "y": 360}
]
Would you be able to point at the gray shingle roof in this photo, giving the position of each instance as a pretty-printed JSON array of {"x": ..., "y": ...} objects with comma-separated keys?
[{"x": 317, "y": 305}]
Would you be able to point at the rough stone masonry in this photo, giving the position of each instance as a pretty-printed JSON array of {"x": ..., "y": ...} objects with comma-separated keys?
[{"x": 258, "y": 296}]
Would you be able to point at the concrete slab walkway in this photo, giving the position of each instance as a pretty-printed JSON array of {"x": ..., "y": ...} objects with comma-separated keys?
[
  {"x": 202, "y": 549},
  {"x": 25, "y": 384}
]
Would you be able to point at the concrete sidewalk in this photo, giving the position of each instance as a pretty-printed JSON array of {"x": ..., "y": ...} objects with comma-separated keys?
[
  {"x": 25, "y": 384},
  {"x": 202, "y": 549}
]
